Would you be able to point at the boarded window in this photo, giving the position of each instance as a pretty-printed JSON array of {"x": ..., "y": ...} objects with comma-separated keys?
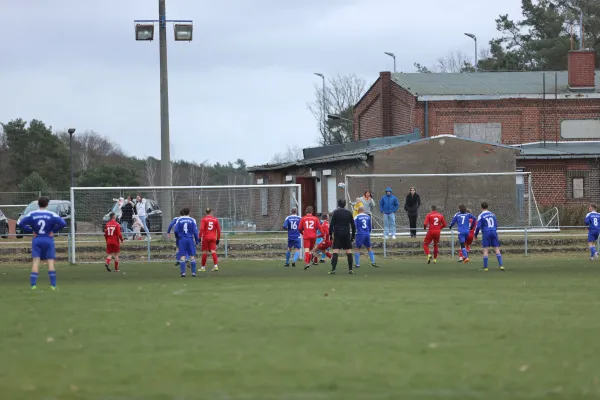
[
  {"x": 578, "y": 188},
  {"x": 486, "y": 132},
  {"x": 580, "y": 129}
]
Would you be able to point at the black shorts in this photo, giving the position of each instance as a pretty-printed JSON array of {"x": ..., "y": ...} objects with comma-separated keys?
[{"x": 342, "y": 241}]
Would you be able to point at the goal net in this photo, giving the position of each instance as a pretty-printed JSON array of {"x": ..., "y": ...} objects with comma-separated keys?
[
  {"x": 509, "y": 196},
  {"x": 244, "y": 211}
]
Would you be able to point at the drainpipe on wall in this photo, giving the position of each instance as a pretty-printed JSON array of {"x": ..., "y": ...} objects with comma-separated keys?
[{"x": 426, "y": 118}]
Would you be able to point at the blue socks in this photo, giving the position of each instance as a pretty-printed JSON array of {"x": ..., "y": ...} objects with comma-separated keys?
[
  {"x": 287, "y": 257},
  {"x": 485, "y": 262},
  {"x": 52, "y": 276},
  {"x": 499, "y": 257},
  {"x": 182, "y": 267},
  {"x": 33, "y": 278},
  {"x": 372, "y": 257},
  {"x": 357, "y": 259},
  {"x": 193, "y": 267},
  {"x": 592, "y": 251},
  {"x": 296, "y": 256},
  {"x": 464, "y": 253},
  {"x": 323, "y": 256}
]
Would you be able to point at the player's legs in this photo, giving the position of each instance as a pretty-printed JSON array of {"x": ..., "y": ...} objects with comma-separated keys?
[
  {"x": 357, "y": 245},
  {"x": 50, "y": 255},
  {"x": 309, "y": 244},
  {"x": 116, "y": 258},
  {"x": 592, "y": 239},
  {"x": 426, "y": 242},
  {"x": 337, "y": 246},
  {"x": 187, "y": 248},
  {"x": 35, "y": 270},
  {"x": 486, "y": 247},
  {"x": 436, "y": 249},
  {"x": 213, "y": 252},
  {"x": 288, "y": 254},
  {"x": 495, "y": 243}
]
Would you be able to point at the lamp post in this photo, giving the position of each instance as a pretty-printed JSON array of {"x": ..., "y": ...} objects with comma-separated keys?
[
  {"x": 144, "y": 31},
  {"x": 393, "y": 56},
  {"x": 323, "y": 101},
  {"x": 472, "y": 36},
  {"x": 71, "y": 132}
]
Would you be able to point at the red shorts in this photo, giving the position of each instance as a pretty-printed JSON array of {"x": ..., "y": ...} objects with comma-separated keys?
[
  {"x": 431, "y": 237},
  {"x": 324, "y": 245},
  {"x": 309, "y": 244},
  {"x": 470, "y": 238},
  {"x": 209, "y": 244},
  {"x": 113, "y": 248}
]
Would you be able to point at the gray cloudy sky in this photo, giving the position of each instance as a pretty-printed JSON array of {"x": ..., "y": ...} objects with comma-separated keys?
[{"x": 239, "y": 89}]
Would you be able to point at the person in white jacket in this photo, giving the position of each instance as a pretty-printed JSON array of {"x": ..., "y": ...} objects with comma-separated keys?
[{"x": 140, "y": 210}]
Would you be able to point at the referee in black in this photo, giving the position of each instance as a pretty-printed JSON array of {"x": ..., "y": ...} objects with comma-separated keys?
[{"x": 342, "y": 232}]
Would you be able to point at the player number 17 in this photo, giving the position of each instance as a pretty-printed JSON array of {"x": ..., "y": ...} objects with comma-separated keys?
[{"x": 111, "y": 230}]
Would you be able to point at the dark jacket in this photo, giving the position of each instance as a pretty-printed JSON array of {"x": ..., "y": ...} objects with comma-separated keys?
[
  {"x": 388, "y": 203},
  {"x": 412, "y": 204},
  {"x": 127, "y": 213}
]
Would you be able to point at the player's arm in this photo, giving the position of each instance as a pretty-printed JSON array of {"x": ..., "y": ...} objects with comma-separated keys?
[
  {"x": 444, "y": 224},
  {"x": 454, "y": 221},
  {"x": 120, "y": 234},
  {"x": 301, "y": 225},
  {"x": 58, "y": 224},
  {"x": 426, "y": 222},
  {"x": 473, "y": 222},
  {"x": 218, "y": 229},
  {"x": 196, "y": 233},
  {"x": 171, "y": 225},
  {"x": 286, "y": 225},
  {"x": 319, "y": 226},
  {"x": 331, "y": 225},
  {"x": 478, "y": 226},
  {"x": 353, "y": 227}
]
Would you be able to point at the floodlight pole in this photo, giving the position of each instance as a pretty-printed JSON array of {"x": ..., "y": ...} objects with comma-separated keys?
[{"x": 166, "y": 178}]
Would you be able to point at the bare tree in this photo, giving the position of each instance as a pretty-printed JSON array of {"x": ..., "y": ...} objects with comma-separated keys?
[
  {"x": 292, "y": 153},
  {"x": 342, "y": 92},
  {"x": 454, "y": 61},
  {"x": 151, "y": 164},
  {"x": 93, "y": 147}
]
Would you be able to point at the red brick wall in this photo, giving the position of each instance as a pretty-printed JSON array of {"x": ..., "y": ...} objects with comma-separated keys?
[
  {"x": 367, "y": 114},
  {"x": 582, "y": 68},
  {"x": 403, "y": 114}
]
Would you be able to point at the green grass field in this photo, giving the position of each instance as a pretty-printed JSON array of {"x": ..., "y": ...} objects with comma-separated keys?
[{"x": 256, "y": 330}]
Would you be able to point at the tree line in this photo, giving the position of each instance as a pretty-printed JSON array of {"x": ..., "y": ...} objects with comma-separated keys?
[{"x": 34, "y": 158}]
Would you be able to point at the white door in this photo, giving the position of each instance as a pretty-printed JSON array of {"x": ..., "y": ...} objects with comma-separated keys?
[
  {"x": 331, "y": 193},
  {"x": 319, "y": 197}
]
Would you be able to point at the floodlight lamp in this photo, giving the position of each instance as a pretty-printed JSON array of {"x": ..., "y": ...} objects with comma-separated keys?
[
  {"x": 183, "y": 32},
  {"x": 144, "y": 32}
]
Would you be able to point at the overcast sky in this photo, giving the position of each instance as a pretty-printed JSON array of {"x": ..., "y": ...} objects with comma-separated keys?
[{"x": 239, "y": 90}]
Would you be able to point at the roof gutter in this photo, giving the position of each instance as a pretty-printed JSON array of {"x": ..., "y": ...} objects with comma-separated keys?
[
  {"x": 558, "y": 157},
  {"x": 472, "y": 97}
]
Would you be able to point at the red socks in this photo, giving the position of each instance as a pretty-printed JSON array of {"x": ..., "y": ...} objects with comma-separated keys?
[
  {"x": 215, "y": 259},
  {"x": 307, "y": 258},
  {"x": 435, "y": 251},
  {"x": 204, "y": 257},
  {"x": 426, "y": 249},
  {"x": 328, "y": 254},
  {"x": 116, "y": 265},
  {"x": 108, "y": 261}
]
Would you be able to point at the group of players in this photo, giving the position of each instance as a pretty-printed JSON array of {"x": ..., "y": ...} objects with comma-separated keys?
[
  {"x": 187, "y": 237},
  {"x": 305, "y": 231}
]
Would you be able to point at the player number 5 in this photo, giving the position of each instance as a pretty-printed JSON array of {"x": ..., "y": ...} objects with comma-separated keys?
[{"x": 210, "y": 225}]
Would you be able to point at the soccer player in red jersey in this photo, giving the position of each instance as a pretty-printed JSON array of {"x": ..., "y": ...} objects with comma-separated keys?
[
  {"x": 210, "y": 235},
  {"x": 471, "y": 236},
  {"x": 325, "y": 244},
  {"x": 309, "y": 225},
  {"x": 114, "y": 238},
  {"x": 436, "y": 222}
]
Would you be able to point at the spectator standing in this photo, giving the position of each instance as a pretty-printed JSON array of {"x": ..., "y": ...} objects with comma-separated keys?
[
  {"x": 411, "y": 206},
  {"x": 140, "y": 210},
  {"x": 127, "y": 216},
  {"x": 368, "y": 202},
  {"x": 388, "y": 205}
]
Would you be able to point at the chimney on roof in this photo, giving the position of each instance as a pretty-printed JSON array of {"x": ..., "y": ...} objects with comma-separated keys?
[{"x": 582, "y": 65}]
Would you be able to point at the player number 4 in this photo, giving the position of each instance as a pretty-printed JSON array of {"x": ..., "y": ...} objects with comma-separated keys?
[{"x": 185, "y": 228}]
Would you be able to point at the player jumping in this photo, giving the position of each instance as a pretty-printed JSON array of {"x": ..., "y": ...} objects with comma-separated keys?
[
  {"x": 114, "y": 238},
  {"x": 187, "y": 230},
  {"x": 308, "y": 227},
  {"x": 210, "y": 235},
  {"x": 436, "y": 222},
  {"x": 44, "y": 224},
  {"x": 592, "y": 220},
  {"x": 291, "y": 224},
  {"x": 488, "y": 225},
  {"x": 364, "y": 227},
  {"x": 325, "y": 243},
  {"x": 466, "y": 222}
]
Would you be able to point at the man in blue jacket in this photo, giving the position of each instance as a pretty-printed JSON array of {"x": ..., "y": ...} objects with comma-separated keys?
[{"x": 388, "y": 205}]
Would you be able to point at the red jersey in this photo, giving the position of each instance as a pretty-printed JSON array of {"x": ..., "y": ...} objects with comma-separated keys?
[
  {"x": 210, "y": 228},
  {"x": 112, "y": 233},
  {"x": 473, "y": 223},
  {"x": 309, "y": 225},
  {"x": 325, "y": 230},
  {"x": 435, "y": 221}
]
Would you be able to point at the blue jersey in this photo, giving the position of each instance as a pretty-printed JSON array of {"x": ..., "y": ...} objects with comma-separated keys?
[
  {"x": 172, "y": 224},
  {"x": 291, "y": 224},
  {"x": 42, "y": 223},
  {"x": 592, "y": 220},
  {"x": 363, "y": 224},
  {"x": 463, "y": 221},
  {"x": 187, "y": 229},
  {"x": 486, "y": 222}
]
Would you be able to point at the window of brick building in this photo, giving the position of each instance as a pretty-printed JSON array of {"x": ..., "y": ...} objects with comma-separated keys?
[
  {"x": 578, "y": 188},
  {"x": 485, "y": 132}
]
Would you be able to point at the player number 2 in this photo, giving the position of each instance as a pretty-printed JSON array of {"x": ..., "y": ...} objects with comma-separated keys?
[
  {"x": 111, "y": 230},
  {"x": 436, "y": 221},
  {"x": 42, "y": 225},
  {"x": 310, "y": 224},
  {"x": 490, "y": 222},
  {"x": 210, "y": 225}
]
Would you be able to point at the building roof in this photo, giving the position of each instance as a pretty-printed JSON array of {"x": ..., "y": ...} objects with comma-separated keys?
[
  {"x": 554, "y": 150},
  {"x": 360, "y": 153},
  {"x": 490, "y": 85}
]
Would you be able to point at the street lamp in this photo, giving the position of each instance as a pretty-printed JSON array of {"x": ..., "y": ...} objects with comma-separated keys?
[
  {"x": 182, "y": 31},
  {"x": 323, "y": 101},
  {"x": 393, "y": 56},
  {"x": 472, "y": 36},
  {"x": 71, "y": 132}
]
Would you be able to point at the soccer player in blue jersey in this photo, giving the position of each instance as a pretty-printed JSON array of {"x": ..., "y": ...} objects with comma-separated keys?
[
  {"x": 592, "y": 220},
  {"x": 171, "y": 227},
  {"x": 363, "y": 236},
  {"x": 465, "y": 222},
  {"x": 291, "y": 225},
  {"x": 44, "y": 224},
  {"x": 488, "y": 225},
  {"x": 187, "y": 230}
]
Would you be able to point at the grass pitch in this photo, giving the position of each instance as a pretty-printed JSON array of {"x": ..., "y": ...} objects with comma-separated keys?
[{"x": 256, "y": 330}]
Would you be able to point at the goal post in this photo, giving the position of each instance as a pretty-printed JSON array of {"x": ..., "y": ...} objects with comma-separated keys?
[
  {"x": 240, "y": 208},
  {"x": 509, "y": 195}
]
